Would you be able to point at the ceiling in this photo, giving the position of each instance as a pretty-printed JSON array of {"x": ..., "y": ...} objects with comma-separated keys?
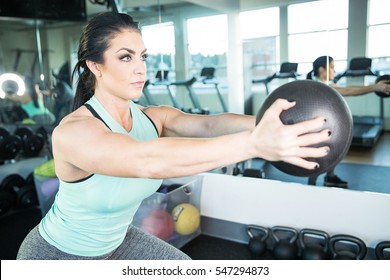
[{"x": 151, "y": 6}]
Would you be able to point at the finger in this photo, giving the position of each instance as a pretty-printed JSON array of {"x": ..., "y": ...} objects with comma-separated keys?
[
  {"x": 309, "y": 125},
  {"x": 279, "y": 106},
  {"x": 314, "y": 138},
  {"x": 310, "y": 152},
  {"x": 300, "y": 162}
]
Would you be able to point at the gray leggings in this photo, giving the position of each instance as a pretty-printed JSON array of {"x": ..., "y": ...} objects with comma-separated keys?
[{"x": 138, "y": 245}]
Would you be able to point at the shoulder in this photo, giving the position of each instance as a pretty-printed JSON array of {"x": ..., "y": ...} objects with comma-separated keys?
[
  {"x": 162, "y": 116},
  {"x": 78, "y": 123}
]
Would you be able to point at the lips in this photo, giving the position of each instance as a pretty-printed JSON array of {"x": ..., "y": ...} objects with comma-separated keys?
[{"x": 138, "y": 84}]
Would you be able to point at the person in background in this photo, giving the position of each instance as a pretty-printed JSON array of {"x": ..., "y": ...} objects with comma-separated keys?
[
  {"x": 324, "y": 72},
  {"x": 110, "y": 153},
  {"x": 32, "y": 103}
]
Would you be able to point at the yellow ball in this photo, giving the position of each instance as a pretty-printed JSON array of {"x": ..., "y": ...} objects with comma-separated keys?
[{"x": 186, "y": 218}]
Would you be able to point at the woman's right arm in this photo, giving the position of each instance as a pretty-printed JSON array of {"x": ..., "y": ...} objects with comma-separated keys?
[{"x": 84, "y": 143}]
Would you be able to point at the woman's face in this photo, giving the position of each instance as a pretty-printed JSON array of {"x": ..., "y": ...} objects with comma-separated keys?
[
  {"x": 327, "y": 75},
  {"x": 123, "y": 72}
]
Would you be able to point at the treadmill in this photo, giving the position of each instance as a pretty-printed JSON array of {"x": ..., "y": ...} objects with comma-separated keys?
[
  {"x": 287, "y": 70},
  {"x": 208, "y": 78},
  {"x": 366, "y": 129}
]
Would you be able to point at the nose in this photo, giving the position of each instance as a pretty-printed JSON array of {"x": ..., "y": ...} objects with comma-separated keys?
[{"x": 140, "y": 67}]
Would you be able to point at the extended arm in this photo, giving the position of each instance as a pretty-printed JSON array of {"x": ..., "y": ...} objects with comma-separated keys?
[{"x": 85, "y": 144}]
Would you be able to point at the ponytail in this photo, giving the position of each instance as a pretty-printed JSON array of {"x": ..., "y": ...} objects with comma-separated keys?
[
  {"x": 85, "y": 86},
  {"x": 309, "y": 75}
]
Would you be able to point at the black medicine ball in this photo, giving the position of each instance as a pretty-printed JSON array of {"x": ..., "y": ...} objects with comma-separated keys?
[
  {"x": 314, "y": 99},
  {"x": 381, "y": 78}
]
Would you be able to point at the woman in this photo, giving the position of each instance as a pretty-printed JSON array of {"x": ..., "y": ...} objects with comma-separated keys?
[
  {"x": 324, "y": 72},
  {"x": 110, "y": 154},
  {"x": 32, "y": 103}
]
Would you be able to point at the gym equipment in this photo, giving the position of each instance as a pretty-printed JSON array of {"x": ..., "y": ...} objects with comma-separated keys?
[
  {"x": 257, "y": 242},
  {"x": 24, "y": 194},
  {"x": 380, "y": 250},
  {"x": 381, "y": 78},
  {"x": 32, "y": 144},
  {"x": 158, "y": 223},
  {"x": 208, "y": 78},
  {"x": 197, "y": 109},
  {"x": 161, "y": 79},
  {"x": 347, "y": 247},
  {"x": 314, "y": 244},
  {"x": 10, "y": 145},
  {"x": 287, "y": 70},
  {"x": 314, "y": 99},
  {"x": 284, "y": 239},
  {"x": 46, "y": 169},
  {"x": 186, "y": 218},
  {"x": 358, "y": 67},
  {"x": 366, "y": 129},
  {"x": 7, "y": 200}
]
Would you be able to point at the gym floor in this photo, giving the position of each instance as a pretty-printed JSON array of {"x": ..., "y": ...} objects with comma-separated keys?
[{"x": 378, "y": 155}]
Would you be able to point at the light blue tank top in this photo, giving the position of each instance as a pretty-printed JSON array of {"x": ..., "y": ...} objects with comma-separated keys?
[
  {"x": 90, "y": 217},
  {"x": 32, "y": 111}
]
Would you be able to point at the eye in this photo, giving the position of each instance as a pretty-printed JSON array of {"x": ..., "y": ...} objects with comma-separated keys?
[
  {"x": 145, "y": 57},
  {"x": 125, "y": 58}
]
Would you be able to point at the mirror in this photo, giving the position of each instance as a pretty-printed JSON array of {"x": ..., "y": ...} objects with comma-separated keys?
[{"x": 45, "y": 51}]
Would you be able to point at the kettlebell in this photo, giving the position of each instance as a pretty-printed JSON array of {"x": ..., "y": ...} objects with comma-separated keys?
[
  {"x": 347, "y": 247},
  {"x": 257, "y": 242},
  {"x": 284, "y": 242},
  {"x": 316, "y": 247},
  {"x": 380, "y": 250}
]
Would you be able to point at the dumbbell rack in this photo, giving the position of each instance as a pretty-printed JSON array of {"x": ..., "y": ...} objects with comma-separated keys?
[{"x": 22, "y": 147}]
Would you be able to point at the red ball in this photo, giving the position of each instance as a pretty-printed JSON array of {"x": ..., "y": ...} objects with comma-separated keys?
[{"x": 158, "y": 223}]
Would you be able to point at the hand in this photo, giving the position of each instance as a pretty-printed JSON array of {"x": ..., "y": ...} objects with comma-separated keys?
[
  {"x": 275, "y": 141},
  {"x": 383, "y": 86}
]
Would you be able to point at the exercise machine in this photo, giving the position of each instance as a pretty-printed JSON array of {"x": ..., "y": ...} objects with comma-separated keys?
[
  {"x": 208, "y": 78},
  {"x": 161, "y": 79},
  {"x": 287, "y": 70},
  {"x": 366, "y": 129},
  {"x": 197, "y": 108}
]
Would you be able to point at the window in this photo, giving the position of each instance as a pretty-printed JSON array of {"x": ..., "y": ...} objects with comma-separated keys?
[
  {"x": 378, "y": 39},
  {"x": 159, "y": 40},
  {"x": 318, "y": 28},
  {"x": 207, "y": 43},
  {"x": 260, "y": 35}
]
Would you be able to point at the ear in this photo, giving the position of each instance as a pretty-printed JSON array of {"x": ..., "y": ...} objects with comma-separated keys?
[{"x": 94, "y": 68}]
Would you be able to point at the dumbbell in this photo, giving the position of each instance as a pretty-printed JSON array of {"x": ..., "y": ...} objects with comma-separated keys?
[
  {"x": 24, "y": 195},
  {"x": 7, "y": 201},
  {"x": 32, "y": 143},
  {"x": 257, "y": 239},
  {"x": 314, "y": 244},
  {"x": 284, "y": 239},
  {"x": 347, "y": 247},
  {"x": 10, "y": 145}
]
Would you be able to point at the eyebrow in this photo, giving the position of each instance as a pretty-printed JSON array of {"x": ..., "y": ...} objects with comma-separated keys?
[{"x": 131, "y": 51}]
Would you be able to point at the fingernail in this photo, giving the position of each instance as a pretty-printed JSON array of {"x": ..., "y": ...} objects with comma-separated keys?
[
  {"x": 329, "y": 133},
  {"x": 316, "y": 166},
  {"x": 327, "y": 150},
  {"x": 325, "y": 120},
  {"x": 290, "y": 100}
]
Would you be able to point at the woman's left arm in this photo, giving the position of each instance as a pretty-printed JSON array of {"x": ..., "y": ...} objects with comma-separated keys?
[{"x": 173, "y": 122}]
